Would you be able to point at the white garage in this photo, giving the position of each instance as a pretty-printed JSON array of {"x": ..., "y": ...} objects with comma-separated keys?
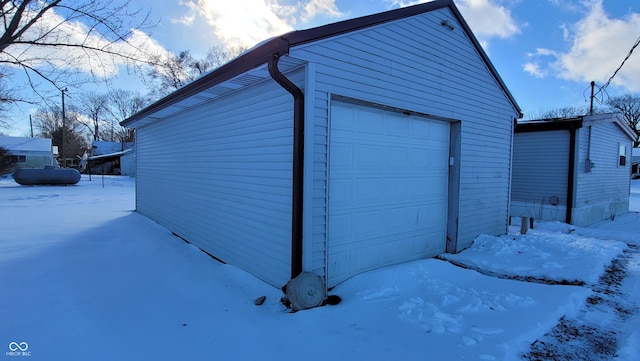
[
  {"x": 388, "y": 185},
  {"x": 334, "y": 150}
]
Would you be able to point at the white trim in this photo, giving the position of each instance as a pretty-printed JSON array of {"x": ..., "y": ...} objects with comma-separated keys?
[{"x": 307, "y": 209}]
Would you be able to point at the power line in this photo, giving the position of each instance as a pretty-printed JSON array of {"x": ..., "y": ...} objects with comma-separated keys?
[{"x": 620, "y": 67}]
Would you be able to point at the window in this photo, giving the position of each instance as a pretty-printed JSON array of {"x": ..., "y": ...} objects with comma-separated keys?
[
  {"x": 18, "y": 158},
  {"x": 622, "y": 155}
]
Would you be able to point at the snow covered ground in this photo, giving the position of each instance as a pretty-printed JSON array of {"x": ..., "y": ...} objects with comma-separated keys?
[{"x": 83, "y": 277}]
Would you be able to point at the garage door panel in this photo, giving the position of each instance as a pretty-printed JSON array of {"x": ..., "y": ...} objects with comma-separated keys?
[
  {"x": 368, "y": 157},
  {"x": 398, "y": 183},
  {"x": 395, "y": 189},
  {"x": 341, "y": 191},
  {"x": 342, "y": 156},
  {"x": 367, "y": 191},
  {"x": 396, "y": 158},
  {"x": 368, "y": 223},
  {"x": 341, "y": 228}
]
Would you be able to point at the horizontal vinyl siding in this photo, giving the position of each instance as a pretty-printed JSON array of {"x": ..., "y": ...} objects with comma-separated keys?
[
  {"x": 417, "y": 64},
  {"x": 540, "y": 167},
  {"x": 607, "y": 181},
  {"x": 219, "y": 176}
]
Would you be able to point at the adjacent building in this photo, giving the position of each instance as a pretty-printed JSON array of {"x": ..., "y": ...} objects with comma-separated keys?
[{"x": 574, "y": 170}]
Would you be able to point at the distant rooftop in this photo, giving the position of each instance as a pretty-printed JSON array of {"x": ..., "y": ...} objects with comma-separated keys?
[{"x": 25, "y": 144}]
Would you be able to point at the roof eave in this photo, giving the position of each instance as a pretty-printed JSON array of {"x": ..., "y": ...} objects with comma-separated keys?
[
  {"x": 281, "y": 45},
  {"x": 245, "y": 62}
]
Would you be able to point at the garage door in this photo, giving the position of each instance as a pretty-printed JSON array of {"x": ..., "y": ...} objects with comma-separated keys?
[{"x": 388, "y": 176}]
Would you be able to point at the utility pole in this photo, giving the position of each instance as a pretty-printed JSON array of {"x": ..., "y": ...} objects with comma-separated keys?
[
  {"x": 64, "y": 126},
  {"x": 31, "y": 125},
  {"x": 593, "y": 85}
]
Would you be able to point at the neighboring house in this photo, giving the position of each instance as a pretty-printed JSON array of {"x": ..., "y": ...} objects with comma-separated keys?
[
  {"x": 29, "y": 152},
  {"x": 335, "y": 150},
  {"x": 118, "y": 163},
  {"x": 635, "y": 163},
  {"x": 572, "y": 170},
  {"x": 101, "y": 147}
]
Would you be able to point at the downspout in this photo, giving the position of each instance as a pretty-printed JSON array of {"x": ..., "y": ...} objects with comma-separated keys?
[
  {"x": 571, "y": 175},
  {"x": 298, "y": 163}
]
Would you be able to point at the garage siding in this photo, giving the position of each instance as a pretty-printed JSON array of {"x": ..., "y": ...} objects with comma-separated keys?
[
  {"x": 607, "y": 180},
  {"x": 602, "y": 193},
  {"x": 431, "y": 70},
  {"x": 219, "y": 176},
  {"x": 541, "y": 167}
]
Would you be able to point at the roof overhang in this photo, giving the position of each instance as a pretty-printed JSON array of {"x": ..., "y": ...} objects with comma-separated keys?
[
  {"x": 111, "y": 155},
  {"x": 546, "y": 125},
  {"x": 250, "y": 67},
  {"x": 542, "y": 125}
]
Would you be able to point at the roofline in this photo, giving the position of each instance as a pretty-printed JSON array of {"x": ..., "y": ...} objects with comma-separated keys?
[
  {"x": 544, "y": 125},
  {"x": 281, "y": 45},
  {"x": 550, "y": 124},
  {"x": 243, "y": 63}
]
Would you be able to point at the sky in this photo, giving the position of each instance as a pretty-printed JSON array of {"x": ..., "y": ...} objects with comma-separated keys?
[
  {"x": 97, "y": 281},
  {"x": 546, "y": 51}
]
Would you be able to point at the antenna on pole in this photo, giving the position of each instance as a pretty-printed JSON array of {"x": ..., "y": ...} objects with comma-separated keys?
[{"x": 593, "y": 85}]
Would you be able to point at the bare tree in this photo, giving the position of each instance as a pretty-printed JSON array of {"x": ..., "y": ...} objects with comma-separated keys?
[
  {"x": 65, "y": 133},
  {"x": 66, "y": 42},
  {"x": 170, "y": 73},
  {"x": 6, "y": 165},
  {"x": 564, "y": 112},
  {"x": 94, "y": 107},
  {"x": 174, "y": 71},
  {"x": 121, "y": 105},
  {"x": 628, "y": 106}
]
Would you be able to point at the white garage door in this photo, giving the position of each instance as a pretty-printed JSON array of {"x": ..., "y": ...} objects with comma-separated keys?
[{"x": 388, "y": 176}]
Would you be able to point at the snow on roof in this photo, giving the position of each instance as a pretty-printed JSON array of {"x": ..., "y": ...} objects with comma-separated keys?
[
  {"x": 114, "y": 154},
  {"x": 101, "y": 147},
  {"x": 25, "y": 144}
]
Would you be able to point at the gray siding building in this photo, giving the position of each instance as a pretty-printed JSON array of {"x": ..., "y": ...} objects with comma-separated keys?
[
  {"x": 335, "y": 150},
  {"x": 572, "y": 170},
  {"x": 29, "y": 152}
]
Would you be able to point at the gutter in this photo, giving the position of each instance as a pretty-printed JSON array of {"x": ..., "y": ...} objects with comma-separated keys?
[{"x": 298, "y": 162}]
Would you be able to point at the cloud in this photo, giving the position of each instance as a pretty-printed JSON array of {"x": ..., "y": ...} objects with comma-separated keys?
[
  {"x": 597, "y": 46},
  {"x": 487, "y": 18},
  {"x": 247, "y": 22},
  {"x": 85, "y": 49},
  {"x": 321, "y": 7},
  {"x": 534, "y": 70}
]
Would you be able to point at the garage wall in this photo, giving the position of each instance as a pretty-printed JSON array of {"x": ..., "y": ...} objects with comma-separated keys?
[
  {"x": 540, "y": 175},
  {"x": 417, "y": 64},
  {"x": 219, "y": 176},
  {"x": 604, "y": 192}
]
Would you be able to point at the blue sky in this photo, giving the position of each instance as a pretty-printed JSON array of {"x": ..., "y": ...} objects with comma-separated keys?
[{"x": 547, "y": 51}]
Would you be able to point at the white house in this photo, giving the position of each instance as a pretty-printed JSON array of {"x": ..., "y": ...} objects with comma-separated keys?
[
  {"x": 335, "y": 150},
  {"x": 635, "y": 163},
  {"x": 29, "y": 152},
  {"x": 572, "y": 170}
]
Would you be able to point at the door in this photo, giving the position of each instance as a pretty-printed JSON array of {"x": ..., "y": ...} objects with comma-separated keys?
[{"x": 388, "y": 189}]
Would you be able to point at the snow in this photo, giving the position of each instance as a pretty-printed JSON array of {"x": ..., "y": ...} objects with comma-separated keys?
[{"x": 85, "y": 277}]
